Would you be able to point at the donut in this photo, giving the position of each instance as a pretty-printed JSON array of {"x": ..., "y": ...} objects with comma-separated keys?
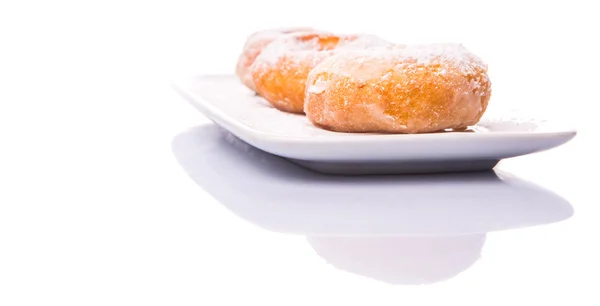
[
  {"x": 280, "y": 71},
  {"x": 402, "y": 89},
  {"x": 254, "y": 44}
]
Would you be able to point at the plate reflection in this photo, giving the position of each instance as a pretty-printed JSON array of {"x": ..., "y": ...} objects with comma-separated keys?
[{"x": 415, "y": 229}]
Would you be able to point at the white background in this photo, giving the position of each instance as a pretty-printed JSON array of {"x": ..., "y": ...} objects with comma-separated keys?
[{"x": 95, "y": 210}]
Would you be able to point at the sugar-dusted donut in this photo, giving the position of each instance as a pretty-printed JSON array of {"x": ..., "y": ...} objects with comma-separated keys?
[{"x": 403, "y": 89}]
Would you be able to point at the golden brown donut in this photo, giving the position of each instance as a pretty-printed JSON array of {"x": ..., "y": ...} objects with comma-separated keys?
[
  {"x": 254, "y": 44},
  {"x": 404, "y": 89},
  {"x": 280, "y": 71}
]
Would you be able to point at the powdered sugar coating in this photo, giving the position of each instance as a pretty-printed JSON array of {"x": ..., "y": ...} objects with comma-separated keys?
[
  {"x": 280, "y": 71},
  {"x": 399, "y": 89},
  {"x": 299, "y": 46},
  {"x": 365, "y": 41},
  {"x": 254, "y": 45},
  {"x": 263, "y": 37}
]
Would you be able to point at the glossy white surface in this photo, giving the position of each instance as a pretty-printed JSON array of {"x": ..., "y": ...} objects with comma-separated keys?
[
  {"x": 497, "y": 136},
  {"x": 109, "y": 197}
]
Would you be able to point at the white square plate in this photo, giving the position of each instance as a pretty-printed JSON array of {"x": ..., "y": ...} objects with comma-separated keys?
[{"x": 235, "y": 108}]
